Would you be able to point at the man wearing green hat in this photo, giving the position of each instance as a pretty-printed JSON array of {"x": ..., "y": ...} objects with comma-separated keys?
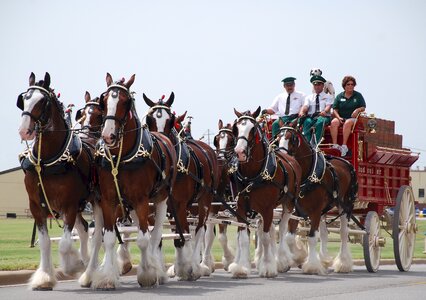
[
  {"x": 317, "y": 106},
  {"x": 287, "y": 105}
]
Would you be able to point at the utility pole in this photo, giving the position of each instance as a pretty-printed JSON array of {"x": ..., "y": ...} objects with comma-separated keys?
[{"x": 208, "y": 133}]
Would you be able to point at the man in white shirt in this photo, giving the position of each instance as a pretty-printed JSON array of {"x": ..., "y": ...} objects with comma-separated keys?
[
  {"x": 317, "y": 106},
  {"x": 287, "y": 105}
]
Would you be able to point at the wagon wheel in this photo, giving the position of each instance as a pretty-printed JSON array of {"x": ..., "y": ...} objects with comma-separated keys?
[
  {"x": 370, "y": 242},
  {"x": 404, "y": 228}
]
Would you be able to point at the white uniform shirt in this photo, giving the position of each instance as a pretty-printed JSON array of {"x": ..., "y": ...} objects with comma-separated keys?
[
  {"x": 324, "y": 100},
  {"x": 280, "y": 101}
]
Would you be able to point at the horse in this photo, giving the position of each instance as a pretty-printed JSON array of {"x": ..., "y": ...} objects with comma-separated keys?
[
  {"x": 136, "y": 168},
  {"x": 57, "y": 179},
  {"x": 265, "y": 179},
  {"x": 196, "y": 182},
  {"x": 224, "y": 142},
  {"x": 327, "y": 182},
  {"x": 90, "y": 119}
]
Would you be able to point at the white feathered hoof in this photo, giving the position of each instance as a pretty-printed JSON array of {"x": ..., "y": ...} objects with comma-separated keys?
[
  {"x": 191, "y": 273},
  {"x": 105, "y": 282},
  {"x": 148, "y": 277},
  {"x": 313, "y": 268},
  {"x": 71, "y": 270},
  {"x": 343, "y": 264},
  {"x": 171, "y": 271},
  {"x": 268, "y": 269},
  {"x": 238, "y": 271},
  {"x": 282, "y": 266},
  {"x": 42, "y": 281},
  {"x": 226, "y": 261},
  {"x": 85, "y": 280},
  {"x": 327, "y": 261},
  {"x": 205, "y": 270}
]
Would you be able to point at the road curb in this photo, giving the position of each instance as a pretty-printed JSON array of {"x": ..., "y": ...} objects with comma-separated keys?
[{"x": 23, "y": 276}]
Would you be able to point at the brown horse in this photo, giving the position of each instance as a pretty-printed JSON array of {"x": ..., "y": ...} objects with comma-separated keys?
[
  {"x": 224, "y": 142},
  {"x": 265, "y": 179},
  {"x": 326, "y": 183},
  {"x": 90, "y": 119},
  {"x": 57, "y": 176},
  {"x": 196, "y": 182},
  {"x": 136, "y": 168}
]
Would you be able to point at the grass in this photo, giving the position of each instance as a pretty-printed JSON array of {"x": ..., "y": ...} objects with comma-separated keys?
[{"x": 16, "y": 254}]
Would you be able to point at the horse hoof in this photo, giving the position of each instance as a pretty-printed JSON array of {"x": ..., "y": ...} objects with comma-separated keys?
[{"x": 126, "y": 268}]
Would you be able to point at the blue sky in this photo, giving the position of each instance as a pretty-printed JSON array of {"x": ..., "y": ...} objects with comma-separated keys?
[{"x": 216, "y": 55}]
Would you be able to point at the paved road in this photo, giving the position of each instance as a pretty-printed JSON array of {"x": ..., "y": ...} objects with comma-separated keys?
[{"x": 387, "y": 284}]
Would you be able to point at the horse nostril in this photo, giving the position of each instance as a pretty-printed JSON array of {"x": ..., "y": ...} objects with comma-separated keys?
[{"x": 112, "y": 136}]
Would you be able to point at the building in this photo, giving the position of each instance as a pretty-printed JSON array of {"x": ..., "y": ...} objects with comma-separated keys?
[
  {"x": 13, "y": 196},
  {"x": 418, "y": 183}
]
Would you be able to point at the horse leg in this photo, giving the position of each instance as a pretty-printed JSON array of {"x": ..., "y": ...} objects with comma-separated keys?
[
  {"x": 284, "y": 256},
  {"x": 107, "y": 275},
  {"x": 83, "y": 234},
  {"x": 86, "y": 278},
  {"x": 207, "y": 263},
  {"x": 228, "y": 256},
  {"x": 298, "y": 253},
  {"x": 183, "y": 251},
  {"x": 267, "y": 264},
  {"x": 343, "y": 261},
  {"x": 241, "y": 266},
  {"x": 123, "y": 254},
  {"x": 71, "y": 262},
  {"x": 313, "y": 264},
  {"x": 325, "y": 258},
  {"x": 258, "y": 251},
  {"x": 150, "y": 272},
  {"x": 44, "y": 278}
]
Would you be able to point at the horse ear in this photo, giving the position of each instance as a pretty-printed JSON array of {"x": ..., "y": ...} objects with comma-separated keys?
[
  {"x": 256, "y": 113},
  {"x": 32, "y": 79},
  {"x": 87, "y": 97},
  {"x": 220, "y": 124},
  {"x": 148, "y": 101},
  {"x": 169, "y": 102},
  {"x": 237, "y": 113},
  {"x": 46, "y": 82},
  {"x": 78, "y": 115},
  {"x": 130, "y": 81},
  {"x": 181, "y": 117},
  {"x": 108, "y": 79}
]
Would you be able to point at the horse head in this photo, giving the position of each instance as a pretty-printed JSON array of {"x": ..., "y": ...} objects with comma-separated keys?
[
  {"x": 35, "y": 104},
  {"x": 160, "y": 117},
  {"x": 224, "y": 141},
  {"x": 90, "y": 117},
  {"x": 247, "y": 132},
  {"x": 118, "y": 105},
  {"x": 292, "y": 140}
]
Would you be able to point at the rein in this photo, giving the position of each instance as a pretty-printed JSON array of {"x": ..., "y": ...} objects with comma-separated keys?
[{"x": 38, "y": 170}]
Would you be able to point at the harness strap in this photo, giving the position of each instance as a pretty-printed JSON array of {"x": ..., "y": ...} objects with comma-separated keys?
[{"x": 38, "y": 170}]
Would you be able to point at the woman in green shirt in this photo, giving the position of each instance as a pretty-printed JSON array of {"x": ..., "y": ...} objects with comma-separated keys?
[{"x": 346, "y": 107}]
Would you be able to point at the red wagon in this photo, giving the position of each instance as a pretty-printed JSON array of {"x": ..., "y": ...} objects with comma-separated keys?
[{"x": 385, "y": 197}]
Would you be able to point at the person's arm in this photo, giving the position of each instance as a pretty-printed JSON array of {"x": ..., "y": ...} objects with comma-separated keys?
[{"x": 361, "y": 107}]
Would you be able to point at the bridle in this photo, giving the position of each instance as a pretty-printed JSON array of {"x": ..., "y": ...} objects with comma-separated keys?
[
  {"x": 93, "y": 130},
  {"x": 50, "y": 96},
  {"x": 228, "y": 149},
  {"x": 115, "y": 88},
  {"x": 250, "y": 144}
]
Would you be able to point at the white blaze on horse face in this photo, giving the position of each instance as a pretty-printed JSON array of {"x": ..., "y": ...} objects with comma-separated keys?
[
  {"x": 26, "y": 129},
  {"x": 283, "y": 141},
  {"x": 161, "y": 116},
  {"x": 86, "y": 121},
  {"x": 244, "y": 129},
  {"x": 109, "y": 127},
  {"x": 223, "y": 142}
]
